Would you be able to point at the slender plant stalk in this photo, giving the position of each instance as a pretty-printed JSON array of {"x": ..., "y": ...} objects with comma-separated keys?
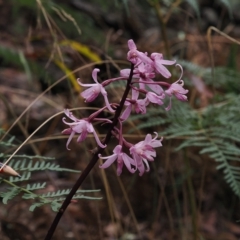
[{"x": 93, "y": 161}]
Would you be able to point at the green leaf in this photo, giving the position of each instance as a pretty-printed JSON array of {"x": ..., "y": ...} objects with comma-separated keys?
[{"x": 10, "y": 194}]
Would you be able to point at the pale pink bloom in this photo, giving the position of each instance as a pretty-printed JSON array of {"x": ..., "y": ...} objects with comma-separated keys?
[
  {"x": 135, "y": 56},
  {"x": 146, "y": 73},
  {"x": 178, "y": 91},
  {"x": 121, "y": 158},
  {"x": 79, "y": 126},
  {"x": 143, "y": 152},
  {"x": 158, "y": 63},
  {"x": 91, "y": 93},
  {"x": 139, "y": 105},
  {"x": 154, "y": 98}
]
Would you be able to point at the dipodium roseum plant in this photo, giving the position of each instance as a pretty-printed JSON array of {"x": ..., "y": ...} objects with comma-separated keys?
[{"x": 141, "y": 90}]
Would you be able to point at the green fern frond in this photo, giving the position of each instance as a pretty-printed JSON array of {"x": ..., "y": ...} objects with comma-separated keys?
[
  {"x": 56, "y": 198},
  {"x": 217, "y": 136},
  {"x": 36, "y": 186},
  {"x": 40, "y": 204},
  {"x": 34, "y": 157},
  {"x": 55, "y": 206},
  {"x": 27, "y": 165},
  {"x": 10, "y": 194},
  {"x": 24, "y": 177},
  {"x": 8, "y": 143},
  {"x": 64, "y": 192},
  {"x": 30, "y": 166},
  {"x": 51, "y": 198},
  {"x": 193, "y": 141},
  {"x": 86, "y": 197},
  {"x": 56, "y": 194}
]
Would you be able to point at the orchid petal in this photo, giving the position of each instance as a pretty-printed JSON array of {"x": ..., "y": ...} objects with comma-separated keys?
[
  {"x": 144, "y": 57},
  {"x": 131, "y": 45},
  {"x": 117, "y": 149},
  {"x": 108, "y": 104},
  {"x": 147, "y": 165},
  {"x": 69, "y": 139},
  {"x": 70, "y": 115},
  {"x": 119, "y": 167},
  {"x": 135, "y": 94},
  {"x": 94, "y": 74},
  {"x": 153, "y": 98},
  {"x": 127, "y": 161},
  {"x": 126, "y": 113},
  {"x": 125, "y": 72},
  {"x": 163, "y": 70},
  {"x": 168, "y": 62},
  {"x": 82, "y": 136},
  {"x": 155, "y": 88},
  {"x": 85, "y": 84},
  {"x": 67, "y": 131},
  {"x": 70, "y": 124},
  {"x": 110, "y": 160},
  {"x": 79, "y": 127},
  {"x": 98, "y": 141},
  {"x": 92, "y": 93}
]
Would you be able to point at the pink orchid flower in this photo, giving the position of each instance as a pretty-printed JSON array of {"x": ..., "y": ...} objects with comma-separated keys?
[
  {"x": 139, "y": 105},
  {"x": 80, "y": 126},
  {"x": 145, "y": 74},
  {"x": 158, "y": 63},
  {"x": 135, "y": 56},
  {"x": 154, "y": 98},
  {"x": 121, "y": 158},
  {"x": 91, "y": 93},
  {"x": 143, "y": 152},
  {"x": 178, "y": 91}
]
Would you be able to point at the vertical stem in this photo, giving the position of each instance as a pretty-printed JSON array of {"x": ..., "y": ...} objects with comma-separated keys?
[{"x": 93, "y": 161}]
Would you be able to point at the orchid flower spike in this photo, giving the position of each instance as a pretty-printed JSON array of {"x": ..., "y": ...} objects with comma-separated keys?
[
  {"x": 5, "y": 169},
  {"x": 94, "y": 89}
]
